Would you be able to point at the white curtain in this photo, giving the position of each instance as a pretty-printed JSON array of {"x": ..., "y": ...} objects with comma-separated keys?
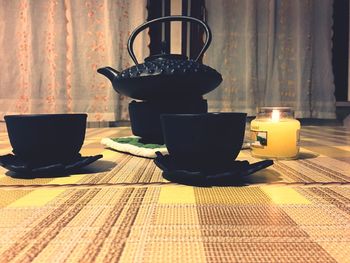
[
  {"x": 50, "y": 50},
  {"x": 272, "y": 53}
]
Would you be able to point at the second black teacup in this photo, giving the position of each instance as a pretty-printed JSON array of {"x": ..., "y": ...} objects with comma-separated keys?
[{"x": 204, "y": 139}]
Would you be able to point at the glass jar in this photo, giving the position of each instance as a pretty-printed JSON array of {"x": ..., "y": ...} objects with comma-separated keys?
[{"x": 275, "y": 134}]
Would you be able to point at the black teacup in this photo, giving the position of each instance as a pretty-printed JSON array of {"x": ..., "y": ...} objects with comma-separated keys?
[
  {"x": 45, "y": 138},
  {"x": 204, "y": 140}
]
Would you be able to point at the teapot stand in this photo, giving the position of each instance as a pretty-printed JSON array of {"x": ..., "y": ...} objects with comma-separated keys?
[{"x": 145, "y": 115}]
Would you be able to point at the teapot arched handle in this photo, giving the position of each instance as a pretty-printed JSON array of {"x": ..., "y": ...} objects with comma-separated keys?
[{"x": 165, "y": 19}]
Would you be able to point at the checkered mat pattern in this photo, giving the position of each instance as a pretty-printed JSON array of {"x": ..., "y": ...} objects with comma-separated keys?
[{"x": 120, "y": 209}]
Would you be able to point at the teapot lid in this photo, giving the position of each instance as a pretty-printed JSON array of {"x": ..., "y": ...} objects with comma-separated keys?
[{"x": 166, "y": 56}]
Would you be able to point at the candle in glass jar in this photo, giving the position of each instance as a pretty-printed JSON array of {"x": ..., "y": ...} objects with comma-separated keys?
[{"x": 275, "y": 134}]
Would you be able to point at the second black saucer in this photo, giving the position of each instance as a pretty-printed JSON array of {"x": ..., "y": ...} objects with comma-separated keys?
[
  {"x": 215, "y": 176},
  {"x": 24, "y": 169}
]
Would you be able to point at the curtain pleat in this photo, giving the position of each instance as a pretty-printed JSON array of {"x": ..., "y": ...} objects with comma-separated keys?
[{"x": 272, "y": 53}]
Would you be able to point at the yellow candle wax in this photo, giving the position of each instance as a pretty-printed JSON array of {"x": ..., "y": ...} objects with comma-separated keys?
[{"x": 275, "y": 136}]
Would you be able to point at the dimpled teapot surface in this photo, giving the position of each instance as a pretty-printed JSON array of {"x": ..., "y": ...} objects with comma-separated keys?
[{"x": 166, "y": 65}]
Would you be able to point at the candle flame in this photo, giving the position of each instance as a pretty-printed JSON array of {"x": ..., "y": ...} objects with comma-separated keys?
[{"x": 275, "y": 117}]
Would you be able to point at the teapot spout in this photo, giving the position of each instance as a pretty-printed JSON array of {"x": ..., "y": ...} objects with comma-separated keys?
[{"x": 108, "y": 72}]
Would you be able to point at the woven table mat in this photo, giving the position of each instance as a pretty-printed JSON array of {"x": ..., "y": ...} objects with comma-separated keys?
[
  {"x": 176, "y": 224},
  {"x": 124, "y": 211}
]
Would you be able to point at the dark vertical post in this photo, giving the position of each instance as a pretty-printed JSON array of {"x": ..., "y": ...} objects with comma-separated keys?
[
  {"x": 191, "y": 34},
  {"x": 184, "y": 39},
  {"x": 159, "y": 33},
  {"x": 340, "y": 49},
  {"x": 154, "y": 8},
  {"x": 196, "y": 42},
  {"x": 166, "y": 40}
]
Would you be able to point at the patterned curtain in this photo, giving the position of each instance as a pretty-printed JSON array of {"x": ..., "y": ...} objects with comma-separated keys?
[
  {"x": 50, "y": 50},
  {"x": 272, "y": 53}
]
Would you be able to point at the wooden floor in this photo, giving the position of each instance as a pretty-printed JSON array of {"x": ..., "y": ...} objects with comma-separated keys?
[{"x": 120, "y": 209}]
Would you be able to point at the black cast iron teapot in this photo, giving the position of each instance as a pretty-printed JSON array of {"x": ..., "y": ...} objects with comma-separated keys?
[{"x": 165, "y": 76}]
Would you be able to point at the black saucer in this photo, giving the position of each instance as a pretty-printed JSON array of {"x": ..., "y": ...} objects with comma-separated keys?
[
  {"x": 25, "y": 169},
  {"x": 232, "y": 174}
]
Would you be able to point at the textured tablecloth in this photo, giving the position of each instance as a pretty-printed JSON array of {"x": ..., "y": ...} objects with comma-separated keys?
[{"x": 120, "y": 209}]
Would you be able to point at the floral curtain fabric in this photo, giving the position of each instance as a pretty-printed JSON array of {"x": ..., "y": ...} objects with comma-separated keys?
[
  {"x": 50, "y": 51},
  {"x": 272, "y": 53}
]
